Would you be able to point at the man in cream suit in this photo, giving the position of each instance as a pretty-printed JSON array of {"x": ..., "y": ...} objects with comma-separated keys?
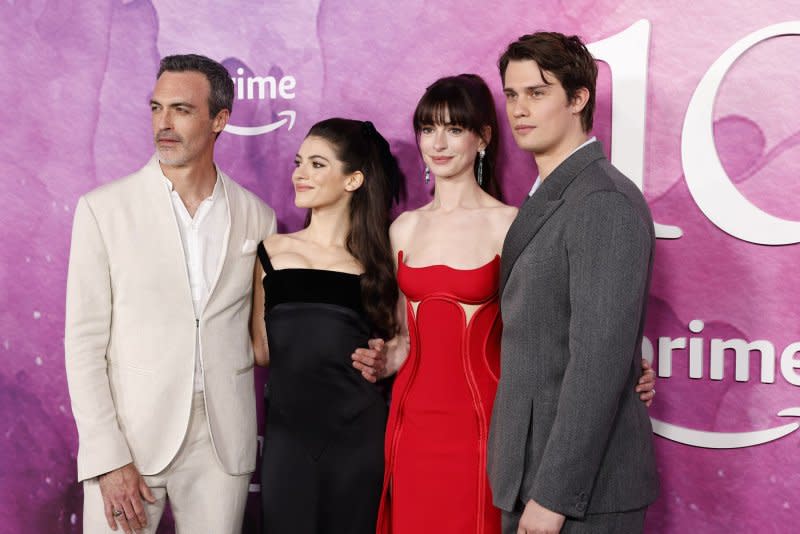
[
  {"x": 158, "y": 351},
  {"x": 570, "y": 446}
]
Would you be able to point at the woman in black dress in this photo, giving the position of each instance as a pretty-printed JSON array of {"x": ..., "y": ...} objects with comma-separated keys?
[{"x": 320, "y": 293}]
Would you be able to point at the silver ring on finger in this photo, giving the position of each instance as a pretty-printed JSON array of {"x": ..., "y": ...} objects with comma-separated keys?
[{"x": 117, "y": 513}]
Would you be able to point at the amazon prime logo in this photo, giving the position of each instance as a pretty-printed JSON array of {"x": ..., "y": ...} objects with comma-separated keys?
[
  {"x": 704, "y": 360},
  {"x": 271, "y": 88}
]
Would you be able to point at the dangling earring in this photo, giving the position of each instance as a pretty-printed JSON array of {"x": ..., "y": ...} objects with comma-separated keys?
[
  {"x": 427, "y": 175},
  {"x": 481, "y": 153}
]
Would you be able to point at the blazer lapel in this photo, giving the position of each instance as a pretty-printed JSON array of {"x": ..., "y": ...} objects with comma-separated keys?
[
  {"x": 165, "y": 235},
  {"x": 545, "y": 201},
  {"x": 533, "y": 214},
  {"x": 234, "y": 233}
]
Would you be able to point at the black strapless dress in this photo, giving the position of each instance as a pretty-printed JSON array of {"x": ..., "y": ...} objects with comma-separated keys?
[{"x": 322, "y": 462}]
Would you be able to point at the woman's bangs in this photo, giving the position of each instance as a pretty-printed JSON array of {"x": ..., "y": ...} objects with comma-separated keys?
[{"x": 444, "y": 105}]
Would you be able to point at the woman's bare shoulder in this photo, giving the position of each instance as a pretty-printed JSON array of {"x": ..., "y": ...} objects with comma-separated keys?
[
  {"x": 501, "y": 216},
  {"x": 277, "y": 243},
  {"x": 496, "y": 208},
  {"x": 403, "y": 228},
  {"x": 404, "y": 223},
  {"x": 508, "y": 213}
]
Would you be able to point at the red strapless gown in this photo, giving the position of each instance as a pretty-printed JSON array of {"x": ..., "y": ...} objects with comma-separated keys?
[{"x": 435, "y": 476}]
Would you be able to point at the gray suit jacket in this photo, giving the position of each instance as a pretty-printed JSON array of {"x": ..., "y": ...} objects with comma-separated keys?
[{"x": 567, "y": 428}]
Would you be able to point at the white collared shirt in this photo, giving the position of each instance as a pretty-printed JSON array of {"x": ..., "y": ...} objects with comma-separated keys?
[
  {"x": 202, "y": 237},
  {"x": 538, "y": 181}
]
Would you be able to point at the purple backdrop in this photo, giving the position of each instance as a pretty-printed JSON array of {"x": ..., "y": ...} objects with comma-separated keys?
[{"x": 77, "y": 78}]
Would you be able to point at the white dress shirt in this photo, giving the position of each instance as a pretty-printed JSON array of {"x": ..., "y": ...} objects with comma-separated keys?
[
  {"x": 202, "y": 237},
  {"x": 538, "y": 181}
]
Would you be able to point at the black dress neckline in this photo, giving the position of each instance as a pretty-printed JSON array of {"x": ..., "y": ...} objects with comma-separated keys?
[
  {"x": 266, "y": 263},
  {"x": 309, "y": 285}
]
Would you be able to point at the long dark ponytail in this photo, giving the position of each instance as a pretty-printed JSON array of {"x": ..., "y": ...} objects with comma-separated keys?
[{"x": 360, "y": 147}]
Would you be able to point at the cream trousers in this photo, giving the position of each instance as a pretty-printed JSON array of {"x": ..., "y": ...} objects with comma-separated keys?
[{"x": 203, "y": 498}]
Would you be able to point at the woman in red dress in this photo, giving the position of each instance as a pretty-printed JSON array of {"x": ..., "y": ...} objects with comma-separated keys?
[{"x": 448, "y": 260}]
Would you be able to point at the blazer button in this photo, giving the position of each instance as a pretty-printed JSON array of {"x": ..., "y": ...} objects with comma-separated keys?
[{"x": 580, "y": 506}]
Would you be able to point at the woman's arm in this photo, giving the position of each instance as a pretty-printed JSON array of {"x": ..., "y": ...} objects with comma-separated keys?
[
  {"x": 397, "y": 347},
  {"x": 258, "y": 328},
  {"x": 384, "y": 358}
]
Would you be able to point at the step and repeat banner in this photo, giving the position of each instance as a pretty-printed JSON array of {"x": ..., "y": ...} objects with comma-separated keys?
[{"x": 697, "y": 104}]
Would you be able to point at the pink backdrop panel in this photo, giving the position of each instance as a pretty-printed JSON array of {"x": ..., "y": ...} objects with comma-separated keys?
[{"x": 77, "y": 82}]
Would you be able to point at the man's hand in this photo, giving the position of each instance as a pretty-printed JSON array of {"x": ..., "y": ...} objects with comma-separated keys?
[
  {"x": 371, "y": 361},
  {"x": 536, "y": 519},
  {"x": 646, "y": 388},
  {"x": 122, "y": 491}
]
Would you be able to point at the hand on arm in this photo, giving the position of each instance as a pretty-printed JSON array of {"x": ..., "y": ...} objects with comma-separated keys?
[
  {"x": 123, "y": 490},
  {"x": 371, "y": 361},
  {"x": 646, "y": 387},
  {"x": 383, "y": 359}
]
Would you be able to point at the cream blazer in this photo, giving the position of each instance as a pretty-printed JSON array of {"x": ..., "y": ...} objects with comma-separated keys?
[{"x": 131, "y": 327}]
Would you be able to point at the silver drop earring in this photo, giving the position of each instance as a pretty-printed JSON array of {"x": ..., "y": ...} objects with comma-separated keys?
[
  {"x": 481, "y": 153},
  {"x": 427, "y": 175}
]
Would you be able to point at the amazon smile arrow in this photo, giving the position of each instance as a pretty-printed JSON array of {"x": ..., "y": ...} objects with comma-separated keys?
[
  {"x": 266, "y": 128},
  {"x": 725, "y": 440}
]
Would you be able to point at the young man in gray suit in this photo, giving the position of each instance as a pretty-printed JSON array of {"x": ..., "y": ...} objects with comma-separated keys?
[{"x": 570, "y": 446}]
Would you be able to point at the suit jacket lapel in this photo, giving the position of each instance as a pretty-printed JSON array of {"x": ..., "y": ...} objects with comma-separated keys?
[
  {"x": 544, "y": 202},
  {"x": 533, "y": 214},
  {"x": 164, "y": 227},
  {"x": 234, "y": 234}
]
